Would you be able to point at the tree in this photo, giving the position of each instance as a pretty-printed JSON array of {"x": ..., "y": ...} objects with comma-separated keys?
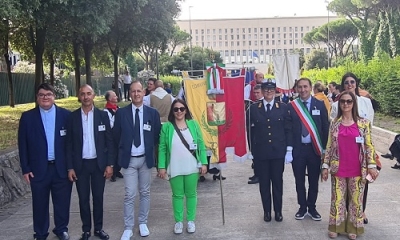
[
  {"x": 318, "y": 58},
  {"x": 178, "y": 37}
]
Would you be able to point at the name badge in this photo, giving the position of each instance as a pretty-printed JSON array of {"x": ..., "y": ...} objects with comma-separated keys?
[
  {"x": 63, "y": 132},
  {"x": 315, "y": 112},
  {"x": 359, "y": 139},
  {"x": 102, "y": 128},
  {"x": 193, "y": 146},
  {"x": 147, "y": 127}
]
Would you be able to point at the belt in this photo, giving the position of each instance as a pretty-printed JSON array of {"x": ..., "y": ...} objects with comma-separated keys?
[
  {"x": 138, "y": 156},
  {"x": 51, "y": 162}
]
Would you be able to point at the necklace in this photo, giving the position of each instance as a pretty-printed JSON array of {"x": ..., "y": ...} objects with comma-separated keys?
[{"x": 182, "y": 129}]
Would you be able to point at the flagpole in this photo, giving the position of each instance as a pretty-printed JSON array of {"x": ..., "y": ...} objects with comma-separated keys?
[{"x": 222, "y": 197}]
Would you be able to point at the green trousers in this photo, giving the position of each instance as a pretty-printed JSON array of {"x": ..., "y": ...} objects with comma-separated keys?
[{"x": 184, "y": 186}]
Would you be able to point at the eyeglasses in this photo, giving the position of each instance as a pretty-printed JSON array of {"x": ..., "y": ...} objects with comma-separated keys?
[
  {"x": 350, "y": 82},
  {"x": 47, "y": 95},
  {"x": 182, "y": 109},
  {"x": 348, "y": 101},
  {"x": 269, "y": 90}
]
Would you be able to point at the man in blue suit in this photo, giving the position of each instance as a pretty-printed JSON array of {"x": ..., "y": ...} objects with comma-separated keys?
[
  {"x": 90, "y": 159},
  {"x": 310, "y": 134},
  {"x": 41, "y": 136},
  {"x": 136, "y": 134}
]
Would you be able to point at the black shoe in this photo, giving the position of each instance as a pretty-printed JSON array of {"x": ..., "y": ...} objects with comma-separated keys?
[
  {"x": 252, "y": 177},
  {"x": 119, "y": 175},
  {"x": 396, "y": 166},
  {"x": 85, "y": 236},
  {"x": 278, "y": 217},
  {"x": 202, "y": 179},
  {"x": 101, "y": 234},
  {"x": 365, "y": 220},
  {"x": 300, "y": 214},
  {"x": 314, "y": 215},
  {"x": 387, "y": 155},
  {"x": 63, "y": 236},
  {"x": 267, "y": 216},
  {"x": 254, "y": 181},
  {"x": 113, "y": 179},
  {"x": 215, "y": 177}
]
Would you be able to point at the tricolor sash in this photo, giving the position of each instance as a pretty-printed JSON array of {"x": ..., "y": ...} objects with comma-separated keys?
[{"x": 309, "y": 123}]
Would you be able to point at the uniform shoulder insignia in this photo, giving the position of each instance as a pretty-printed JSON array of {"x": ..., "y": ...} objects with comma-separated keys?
[{"x": 259, "y": 104}]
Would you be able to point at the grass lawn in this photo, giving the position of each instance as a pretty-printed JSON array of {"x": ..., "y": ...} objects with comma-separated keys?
[{"x": 9, "y": 117}]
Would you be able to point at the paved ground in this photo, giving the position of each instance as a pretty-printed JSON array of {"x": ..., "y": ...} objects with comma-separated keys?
[{"x": 243, "y": 211}]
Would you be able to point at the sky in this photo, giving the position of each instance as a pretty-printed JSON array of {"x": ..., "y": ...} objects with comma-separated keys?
[{"x": 208, "y": 9}]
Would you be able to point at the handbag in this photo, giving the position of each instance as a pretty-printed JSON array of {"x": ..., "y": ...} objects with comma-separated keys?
[{"x": 184, "y": 141}]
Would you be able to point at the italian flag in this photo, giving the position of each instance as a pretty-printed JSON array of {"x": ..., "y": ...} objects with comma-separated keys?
[{"x": 215, "y": 72}]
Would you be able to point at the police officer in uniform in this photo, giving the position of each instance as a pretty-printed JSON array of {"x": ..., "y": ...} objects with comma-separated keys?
[{"x": 271, "y": 145}]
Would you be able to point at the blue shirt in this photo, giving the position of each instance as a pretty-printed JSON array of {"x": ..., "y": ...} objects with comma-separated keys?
[{"x": 49, "y": 125}]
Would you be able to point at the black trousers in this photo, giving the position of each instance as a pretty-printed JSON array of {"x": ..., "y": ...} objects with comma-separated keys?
[
  {"x": 309, "y": 160},
  {"x": 90, "y": 178},
  {"x": 126, "y": 91},
  {"x": 270, "y": 171},
  {"x": 60, "y": 189}
]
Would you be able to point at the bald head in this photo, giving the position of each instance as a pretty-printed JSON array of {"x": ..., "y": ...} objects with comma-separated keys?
[
  {"x": 259, "y": 77},
  {"x": 159, "y": 83}
]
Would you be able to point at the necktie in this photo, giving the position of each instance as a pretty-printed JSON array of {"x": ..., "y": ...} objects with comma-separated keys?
[
  {"x": 304, "y": 131},
  {"x": 268, "y": 108},
  {"x": 136, "y": 129}
]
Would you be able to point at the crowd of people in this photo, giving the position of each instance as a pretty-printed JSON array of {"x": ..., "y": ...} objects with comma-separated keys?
[
  {"x": 321, "y": 133},
  {"x": 327, "y": 132}
]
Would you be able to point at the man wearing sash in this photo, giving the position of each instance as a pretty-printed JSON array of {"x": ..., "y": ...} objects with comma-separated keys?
[
  {"x": 310, "y": 134},
  {"x": 271, "y": 145}
]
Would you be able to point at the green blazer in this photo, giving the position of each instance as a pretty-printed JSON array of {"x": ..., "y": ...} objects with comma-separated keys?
[{"x": 164, "y": 149}]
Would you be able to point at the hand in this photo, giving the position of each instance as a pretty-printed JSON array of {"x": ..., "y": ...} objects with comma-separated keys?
[
  {"x": 71, "y": 175},
  {"x": 373, "y": 172},
  {"x": 28, "y": 177},
  {"x": 324, "y": 174},
  {"x": 161, "y": 173},
  {"x": 203, "y": 169},
  {"x": 288, "y": 157},
  {"x": 108, "y": 172}
]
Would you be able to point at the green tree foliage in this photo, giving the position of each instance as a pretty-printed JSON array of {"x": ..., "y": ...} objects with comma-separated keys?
[
  {"x": 318, "y": 58},
  {"x": 178, "y": 37}
]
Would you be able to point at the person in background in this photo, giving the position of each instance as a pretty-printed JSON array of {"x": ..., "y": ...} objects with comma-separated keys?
[
  {"x": 336, "y": 93},
  {"x": 248, "y": 89},
  {"x": 168, "y": 88},
  {"x": 111, "y": 108},
  {"x": 349, "y": 157},
  {"x": 127, "y": 82},
  {"x": 318, "y": 90},
  {"x": 181, "y": 156},
  {"x": 90, "y": 159},
  {"x": 151, "y": 86},
  {"x": 42, "y": 154},
  {"x": 160, "y": 100},
  {"x": 331, "y": 91}
]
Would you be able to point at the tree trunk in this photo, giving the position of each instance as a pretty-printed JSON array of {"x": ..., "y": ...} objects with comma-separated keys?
[
  {"x": 52, "y": 62},
  {"x": 75, "y": 45},
  {"x": 38, "y": 49},
  {"x": 115, "y": 56},
  {"x": 87, "y": 49},
  {"x": 11, "y": 96}
]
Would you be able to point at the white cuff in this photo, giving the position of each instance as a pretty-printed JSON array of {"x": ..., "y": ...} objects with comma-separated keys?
[
  {"x": 325, "y": 166},
  {"x": 289, "y": 148},
  {"x": 371, "y": 166}
]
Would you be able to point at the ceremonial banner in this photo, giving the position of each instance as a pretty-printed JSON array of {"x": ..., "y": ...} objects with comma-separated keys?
[
  {"x": 215, "y": 72},
  {"x": 221, "y": 117}
]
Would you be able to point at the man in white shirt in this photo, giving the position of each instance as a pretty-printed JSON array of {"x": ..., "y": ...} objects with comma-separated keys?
[{"x": 127, "y": 83}]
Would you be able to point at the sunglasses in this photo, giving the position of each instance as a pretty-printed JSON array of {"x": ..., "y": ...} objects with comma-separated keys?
[
  {"x": 348, "y": 101},
  {"x": 350, "y": 82},
  {"x": 182, "y": 109}
]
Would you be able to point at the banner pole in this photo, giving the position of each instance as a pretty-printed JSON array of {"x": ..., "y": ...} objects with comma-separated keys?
[{"x": 222, "y": 197}]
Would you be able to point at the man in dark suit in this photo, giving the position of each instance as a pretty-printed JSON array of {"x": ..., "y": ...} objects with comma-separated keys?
[
  {"x": 41, "y": 137},
  {"x": 271, "y": 126},
  {"x": 310, "y": 134},
  {"x": 90, "y": 155},
  {"x": 136, "y": 133}
]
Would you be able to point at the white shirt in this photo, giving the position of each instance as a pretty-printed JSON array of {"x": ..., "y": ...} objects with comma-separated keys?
[
  {"x": 247, "y": 91},
  {"x": 182, "y": 161},
  {"x": 365, "y": 109},
  {"x": 136, "y": 151},
  {"x": 265, "y": 104},
  {"x": 127, "y": 79},
  {"x": 159, "y": 93},
  {"x": 110, "y": 116},
  {"x": 89, "y": 147}
]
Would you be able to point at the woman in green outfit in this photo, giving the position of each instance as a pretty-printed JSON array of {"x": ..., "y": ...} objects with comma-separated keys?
[{"x": 181, "y": 157}]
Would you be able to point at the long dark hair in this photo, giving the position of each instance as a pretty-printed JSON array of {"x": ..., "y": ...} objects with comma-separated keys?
[
  {"x": 354, "y": 110},
  {"x": 352, "y": 75},
  {"x": 171, "y": 116}
]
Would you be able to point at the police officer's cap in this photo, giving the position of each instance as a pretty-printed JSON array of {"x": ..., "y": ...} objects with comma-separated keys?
[{"x": 266, "y": 85}]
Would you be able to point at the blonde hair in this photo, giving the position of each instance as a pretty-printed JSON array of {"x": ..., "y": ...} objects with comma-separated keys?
[{"x": 319, "y": 87}]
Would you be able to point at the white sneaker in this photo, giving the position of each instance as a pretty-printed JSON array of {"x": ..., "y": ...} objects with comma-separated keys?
[
  {"x": 127, "y": 235},
  {"x": 144, "y": 231},
  {"x": 191, "y": 227},
  {"x": 178, "y": 229}
]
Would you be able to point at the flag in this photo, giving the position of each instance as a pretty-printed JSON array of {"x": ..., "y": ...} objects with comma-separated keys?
[
  {"x": 254, "y": 54},
  {"x": 238, "y": 72},
  {"x": 250, "y": 75},
  {"x": 214, "y": 74},
  {"x": 221, "y": 117}
]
